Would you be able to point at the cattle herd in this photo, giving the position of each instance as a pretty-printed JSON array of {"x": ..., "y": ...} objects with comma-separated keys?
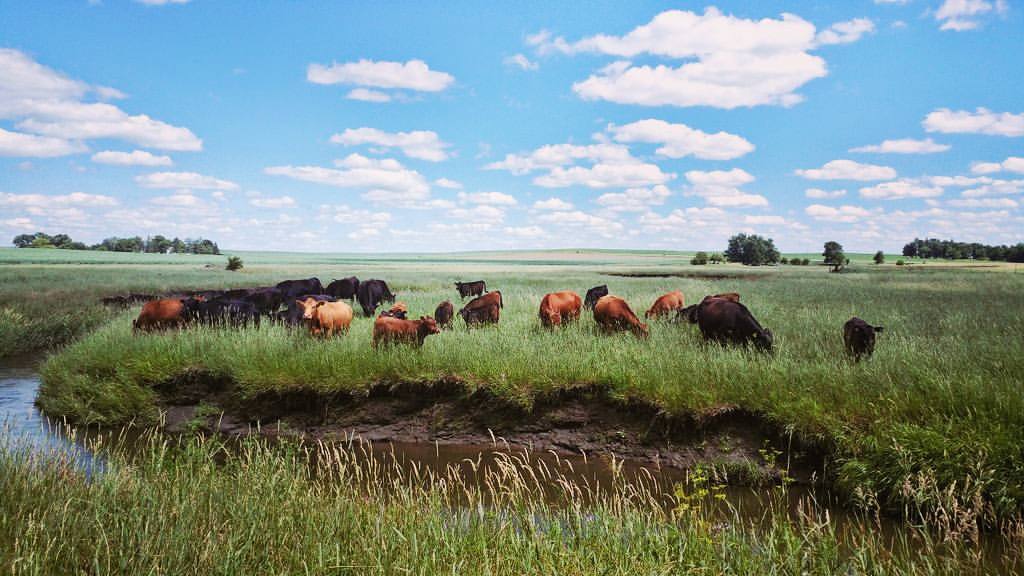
[{"x": 323, "y": 311}]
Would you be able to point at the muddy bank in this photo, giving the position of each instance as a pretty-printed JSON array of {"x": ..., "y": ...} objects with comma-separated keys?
[{"x": 582, "y": 420}]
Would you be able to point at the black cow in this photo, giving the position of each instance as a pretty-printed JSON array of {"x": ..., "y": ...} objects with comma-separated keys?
[
  {"x": 595, "y": 294},
  {"x": 859, "y": 337},
  {"x": 292, "y": 289},
  {"x": 344, "y": 289},
  {"x": 266, "y": 300},
  {"x": 443, "y": 314},
  {"x": 292, "y": 316},
  {"x": 371, "y": 293},
  {"x": 228, "y": 312},
  {"x": 726, "y": 322},
  {"x": 475, "y": 288}
]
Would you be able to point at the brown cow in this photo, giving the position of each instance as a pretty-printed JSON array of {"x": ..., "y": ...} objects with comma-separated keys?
[
  {"x": 559, "y": 307},
  {"x": 399, "y": 310},
  {"x": 444, "y": 313},
  {"x": 165, "y": 313},
  {"x": 388, "y": 330},
  {"x": 325, "y": 318},
  {"x": 484, "y": 309},
  {"x": 665, "y": 304},
  {"x": 730, "y": 296},
  {"x": 613, "y": 314}
]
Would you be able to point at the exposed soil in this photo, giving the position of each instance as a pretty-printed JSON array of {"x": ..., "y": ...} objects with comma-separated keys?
[{"x": 579, "y": 420}]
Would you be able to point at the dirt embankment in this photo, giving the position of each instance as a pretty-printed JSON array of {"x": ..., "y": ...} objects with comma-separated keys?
[{"x": 447, "y": 411}]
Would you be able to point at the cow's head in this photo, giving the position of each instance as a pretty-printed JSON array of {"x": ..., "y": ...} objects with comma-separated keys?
[
  {"x": 427, "y": 326},
  {"x": 763, "y": 340},
  {"x": 308, "y": 307},
  {"x": 640, "y": 330}
]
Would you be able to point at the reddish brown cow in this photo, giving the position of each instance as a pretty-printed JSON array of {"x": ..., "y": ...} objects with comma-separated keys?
[
  {"x": 388, "y": 330},
  {"x": 163, "y": 313},
  {"x": 325, "y": 318},
  {"x": 559, "y": 307},
  {"x": 730, "y": 296},
  {"x": 484, "y": 309},
  {"x": 613, "y": 314},
  {"x": 666, "y": 304}
]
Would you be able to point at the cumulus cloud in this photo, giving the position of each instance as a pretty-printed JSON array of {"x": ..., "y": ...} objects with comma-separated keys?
[
  {"x": 44, "y": 200},
  {"x": 904, "y": 146},
  {"x": 848, "y": 170},
  {"x": 383, "y": 181},
  {"x": 522, "y": 62},
  {"x": 598, "y": 225},
  {"x": 345, "y": 214},
  {"x": 368, "y": 74},
  {"x": 133, "y": 158},
  {"x": 730, "y": 61},
  {"x": 845, "y": 32},
  {"x": 419, "y": 144},
  {"x": 523, "y": 231},
  {"x": 722, "y": 188},
  {"x": 17, "y": 144},
  {"x": 1011, "y": 164},
  {"x": 553, "y": 204},
  {"x": 820, "y": 194},
  {"x": 492, "y": 198},
  {"x": 960, "y": 15},
  {"x": 553, "y": 155},
  {"x": 679, "y": 140},
  {"x": 448, "y": 183},
  {"x": 981, "y": 121},
  {"x": 634, "y": 199},
  {"x": 272, "y": 202},
  {"x": 984, "y": 203},
  {"x": 995, "y": 188},
  {"x": 178, "y": 200},
  {"x": 898, "y": 189},
  {"x": 52, "y": 105},
  {"x": 845, "y": 213},
  {"x": 604, "y": 176},
  {"x": 183, "y": 180}
]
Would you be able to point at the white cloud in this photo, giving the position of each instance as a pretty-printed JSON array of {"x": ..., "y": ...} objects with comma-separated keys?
[
  {"x": 764, "y": 220},
  {"x": 384, "y": 180},
  {"x": 1011, "y": 164},
  {"x": 634, "y": 199},
  {"x": 183, "y": 180},
  {"x": 448, "y": 183},
  {"x": 521, "y": 61},
  {"x": 984, "y": 203},
  {"x": 604, "y": 176},
  {"x": 848, "y": 170},
  {"x": 48, "y": 201},
  {"x": 411, "y": 75},
  {"x": 845, "y": 213},
  {"x": 732, "y": 61},
  {"x": 945, "y": 181},
  {"x": 898, "y": 189},
  {"x": 524, "y": 231},
  {"x": 845, "y": 32},
  {"x": 492, "y": 198},
  {"x": 480, "y": 214},
  {"x": 420, "y": 144},
  {"x": 722, "y": 188},
  {"x": 272, "y": 202},
  {"x": 683, "y": 219},
  {"x": 820, "y": 194},
  {"x": 178, "y": 200},
  {"x": 48, "y": 103},
  {"x": 17, "y": 144},
  {"x": 554, "y": 204},
  {"x": 981, "y": 121},
  {"x": 345, "y": 214},
  {"x": 133, "y": 158},
  {"x": 19, "y": 223},
  {"x": 596, "y": 224},
  {"x": 995, "y": 188},
  {"x": 904, "y": 146},
  {"x": 552, "y": 155},
  {"x": 679, "y": 140},
  {"x": 734, "y": 177},
  {"x": 960, "y": 15},
  {"x": 367, "y": 95}
]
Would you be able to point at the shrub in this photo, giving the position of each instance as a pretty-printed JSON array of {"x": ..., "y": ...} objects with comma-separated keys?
[
  {"x": 699, "y": 259},
  {"x": 879, "y": 257},
  {"x": 900, "y": 262},
  {"x": 234, "y": 264}
]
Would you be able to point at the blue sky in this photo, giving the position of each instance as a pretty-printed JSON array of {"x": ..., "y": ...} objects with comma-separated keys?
[{"x": 411, "y": 126}]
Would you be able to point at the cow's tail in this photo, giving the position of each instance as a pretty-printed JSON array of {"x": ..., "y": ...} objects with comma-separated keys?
[{"x": 501, "y": 301}]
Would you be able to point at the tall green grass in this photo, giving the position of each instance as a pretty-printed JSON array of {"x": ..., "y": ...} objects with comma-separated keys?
[{"x": 198, "y": 506}]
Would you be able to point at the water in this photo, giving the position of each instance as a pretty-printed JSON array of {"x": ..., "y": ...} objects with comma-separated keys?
[{"x": 25, "y": 428}]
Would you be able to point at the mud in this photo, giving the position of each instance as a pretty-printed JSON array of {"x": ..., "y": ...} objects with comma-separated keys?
[{"x": 586, "y": 420}]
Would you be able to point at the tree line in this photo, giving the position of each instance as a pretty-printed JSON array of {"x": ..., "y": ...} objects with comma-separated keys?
[
  {"x": 953, "y": 250},
  {"x": 152, "y": 245}
]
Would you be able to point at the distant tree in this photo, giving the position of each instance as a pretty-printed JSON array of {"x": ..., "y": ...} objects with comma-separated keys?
[
  {"x": 752, "y": 250},
  {"x": 60, "y": 240},
  {"x": 783, "y": 260},
  {"x": 234, "y": 264},
  {"x": 900, "y": 262},
  {"x": 699, "y": 259},
  {"x": 41, "y": 241},
  {"x": 177, "y": 246},
  {"x": 834, "y": 256},
  {"x": 158, "y": 245},
  {"x": 716, "y": 258},
  {"x": 23, "y": 240},
  {"x": 805, "y": 262},
  {"x": 879, "y": 257}
]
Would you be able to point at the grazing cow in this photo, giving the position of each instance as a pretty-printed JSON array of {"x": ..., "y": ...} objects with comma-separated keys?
[
  {"x": 859, "y": 337},
  {"x": 165, "y": 313},
  {"x": 388, "y": 330},
  {"x": 613, "y": 314},
  {"x": 689, "y": 313},
  {"x": 292, "y": 316},
  {"x": 484, "y": 309},
  {"x": 666, "y": 304},
  {"x": 731, "y": 296},
  {"x": 729, "y": 322},
  {"x": 595, "y": 294},
  {"x": 344, "y": 289},
  {"x": 399, "y": 310},
  {"x": 226, "y": 311},
  {"x": 325, "y": 318},
  {"x": 291, "y": 289},
  {"x": 559, "y": 307},
  {"x": 266, "y": 300},
  {"x": 371, "y": 293},
  {"x": 471, "y": 288},
  {"x": 443, "y": 314}
]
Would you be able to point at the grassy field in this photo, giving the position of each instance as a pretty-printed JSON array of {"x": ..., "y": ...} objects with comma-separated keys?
[
  {"x": 198, "y": 506},
  {"x": 934, "y": 422}
]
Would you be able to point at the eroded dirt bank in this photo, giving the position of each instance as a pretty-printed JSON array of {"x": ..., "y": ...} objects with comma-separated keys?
[{"x": 571, "y": 421}]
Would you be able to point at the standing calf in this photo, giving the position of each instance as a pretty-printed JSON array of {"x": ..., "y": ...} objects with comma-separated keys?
[{"x": 859, "y": 337}]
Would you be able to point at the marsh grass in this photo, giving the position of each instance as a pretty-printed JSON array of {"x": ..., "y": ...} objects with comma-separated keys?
[{"x": 199, "y": 505}]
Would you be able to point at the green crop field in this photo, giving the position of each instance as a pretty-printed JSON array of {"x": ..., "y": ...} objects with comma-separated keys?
[{"x": 931, "y": 427}]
